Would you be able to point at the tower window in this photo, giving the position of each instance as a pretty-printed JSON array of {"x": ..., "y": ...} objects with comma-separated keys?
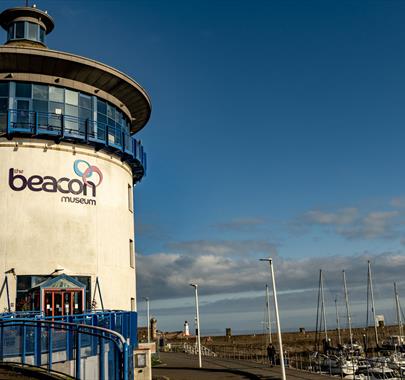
[
  {"x": 131, "y": 254},
  {"x": 19, "y": 29},
  {"x": 130, "y": 199},
  {"x": 132, "y": 304}
]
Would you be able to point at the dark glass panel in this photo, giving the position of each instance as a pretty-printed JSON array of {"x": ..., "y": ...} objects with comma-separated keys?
[
  {"x": 101, "y": 107},
  {"x": 101, "y": 118},
  {"x": 84, "y": 113},
  {"x": 110, "y": 111},
  {"x": 40, "y": 106},
  {"x": 85, "y": 101},
  {"x": 40, "y": 92},
  {"x": 3, "y": 105},
  {"x": 111, "y": 122},
  {"x": 23, "y": 90},
  {"x": 24, "y": 282},
  {"x": 42, "y": 34},
  {"x": 11, "y": 32},
  {"x": 4, "y": 89},
  {"x": 19, "y": 29}
]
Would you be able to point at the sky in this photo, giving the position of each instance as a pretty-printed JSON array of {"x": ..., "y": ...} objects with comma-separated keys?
[{"x": 277, "y": 130}]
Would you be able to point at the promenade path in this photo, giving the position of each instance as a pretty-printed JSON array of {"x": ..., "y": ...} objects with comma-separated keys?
[{"x": 179, "y": 366}]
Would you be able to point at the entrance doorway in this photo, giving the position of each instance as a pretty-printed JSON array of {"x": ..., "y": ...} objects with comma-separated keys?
[{"x": 59, "y": 302}]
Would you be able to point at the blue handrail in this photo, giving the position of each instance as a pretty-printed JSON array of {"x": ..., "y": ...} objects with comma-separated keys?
[
  {"x": 50, "y": 340},
  {"x": 67, "y": 128}
]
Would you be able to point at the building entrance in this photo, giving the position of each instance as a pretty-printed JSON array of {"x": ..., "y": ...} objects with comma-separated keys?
[
  {"x": 59, "y": 296},
  {"x": 63, "y": 302}
]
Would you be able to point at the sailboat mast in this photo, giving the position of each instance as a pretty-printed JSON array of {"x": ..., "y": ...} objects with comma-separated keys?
[
  {"x": 399, "y": 316},
  {"x": 372, "y": 303},
  {"x": 268, "y": 312},
  {"x": 338, "y": 322},
  {"x": 349, "y": 318},
  {"x": 323, "y": 308}
]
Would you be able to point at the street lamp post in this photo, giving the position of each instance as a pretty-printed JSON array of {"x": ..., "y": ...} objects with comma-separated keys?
[
  {"x": 195, "y": 286},
  {"x": 280, "y": 342},
  {"x": 147, "y": 316}
]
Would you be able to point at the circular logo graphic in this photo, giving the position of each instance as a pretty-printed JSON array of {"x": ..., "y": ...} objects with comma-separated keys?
[{"x": 83, "y": 169}]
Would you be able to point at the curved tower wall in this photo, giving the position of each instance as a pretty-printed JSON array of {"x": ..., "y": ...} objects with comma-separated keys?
[{"x": 48, "y": 229}]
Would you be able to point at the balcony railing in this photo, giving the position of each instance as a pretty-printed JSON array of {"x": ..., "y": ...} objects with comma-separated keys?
[{"x": 69, "y": 128}]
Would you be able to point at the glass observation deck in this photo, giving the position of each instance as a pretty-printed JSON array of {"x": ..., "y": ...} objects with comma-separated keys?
[{"x": 59, "y": 127}]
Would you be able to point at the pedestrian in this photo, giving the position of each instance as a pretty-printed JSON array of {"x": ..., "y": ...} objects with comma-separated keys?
[{"x": 271, "y": 354}]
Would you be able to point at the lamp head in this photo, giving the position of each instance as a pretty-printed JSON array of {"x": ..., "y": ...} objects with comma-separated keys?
[{"x": 194, "y": 286}]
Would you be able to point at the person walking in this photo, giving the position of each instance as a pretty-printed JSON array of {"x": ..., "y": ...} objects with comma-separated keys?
[{"x": 271, "y": 354}]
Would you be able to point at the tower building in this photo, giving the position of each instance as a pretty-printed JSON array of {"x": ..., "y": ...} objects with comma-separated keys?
[{"x": 68, "y": 165}]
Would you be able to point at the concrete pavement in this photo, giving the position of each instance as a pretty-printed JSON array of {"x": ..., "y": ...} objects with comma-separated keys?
[{"x": 179, "y": 366}]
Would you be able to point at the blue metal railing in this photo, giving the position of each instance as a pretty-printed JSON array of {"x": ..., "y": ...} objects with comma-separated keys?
[
  {"x": 68, "y": 128},
  {"x": 108, "y": 336},
  {"x": 45, "y": 343}
]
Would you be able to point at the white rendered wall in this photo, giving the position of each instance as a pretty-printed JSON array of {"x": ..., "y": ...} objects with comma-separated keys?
[{"x": 39, "y": 232}]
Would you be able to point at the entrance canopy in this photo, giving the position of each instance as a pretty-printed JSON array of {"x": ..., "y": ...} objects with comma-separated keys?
[{"x": 58, "y": 296}]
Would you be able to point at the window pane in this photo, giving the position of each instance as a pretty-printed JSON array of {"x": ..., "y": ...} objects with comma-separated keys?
[
  {"x": 84, "y": 113},
  {"x": 11, "y": 32},
  {"x": 101, "y": 118},
  {"x": 23, "y": 282},
  {"x": 85, "y": 101},
  {"x": 71, "y": 97},
  {"x": 111, "y": 122},
  {"x": 23, "y": 90},
  {"x": 4, "y": 89},
  {"x": 40, "y": 106},
  {"x": 42, "y": 34},
  {"x": 56, "y": 94},
  {"x": 19, "y": 29},
  {"x": 32, "y": 31},
  {"x": 57, "y": 108},
  {"x": 40, "y": 92},
  {"x": 3, "y": 105},
  {"x": 110, "y": 111},
  {"x": 101, "y": 107},
  {"x": 71, "y": 110}
]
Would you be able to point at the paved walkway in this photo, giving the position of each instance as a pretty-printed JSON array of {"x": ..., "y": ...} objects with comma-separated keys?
[{"x": 178, "y": 366}]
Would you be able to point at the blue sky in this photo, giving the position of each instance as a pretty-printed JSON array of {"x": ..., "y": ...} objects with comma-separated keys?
[{"x": 277, "y": 130}]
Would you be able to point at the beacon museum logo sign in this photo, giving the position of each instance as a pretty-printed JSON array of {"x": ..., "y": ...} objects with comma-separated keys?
[{"x": 82, "y": 191}]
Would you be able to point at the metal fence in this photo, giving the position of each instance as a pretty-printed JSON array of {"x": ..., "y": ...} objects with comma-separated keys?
[{"x": 94, "y": 346}]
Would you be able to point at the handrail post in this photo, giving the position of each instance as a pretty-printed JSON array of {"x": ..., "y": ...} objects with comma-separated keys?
[
  {"x": 8, "y": 123},
  {"x": 23, "y": 343},
  {"x": 62, "y": 126},
  {"x": 69, "y": 341},
  {"x": 50, "y": 348},
  {"x": 78, "y": 355},
  {"x": 86, "y": 130},
  {"x": 36, "y": 123},
  {"x": 94, "y": 322},
  {"x": 125, "y": 364},
  {"x": 1, "y": 342},
  {"x": 37, "y": 344},
  {"x": 101, "y": 358}
]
